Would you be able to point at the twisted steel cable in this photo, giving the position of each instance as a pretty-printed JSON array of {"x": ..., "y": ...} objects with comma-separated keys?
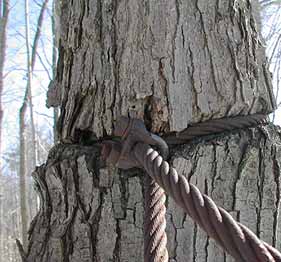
[
  {"x": 215, "y": 126},
  {"x": 155, "y": 238},
  {"x": 234, "y": 237}
]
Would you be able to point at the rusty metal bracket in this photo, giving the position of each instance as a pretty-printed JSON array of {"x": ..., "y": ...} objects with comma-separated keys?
[{"x": 131, "y": 131}]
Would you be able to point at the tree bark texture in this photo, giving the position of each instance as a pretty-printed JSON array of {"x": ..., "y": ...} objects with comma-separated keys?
[
  {"x": 170, "y": 63},
  {"x": 93, "y": 214},
  {"x": 152, "y": 56}
]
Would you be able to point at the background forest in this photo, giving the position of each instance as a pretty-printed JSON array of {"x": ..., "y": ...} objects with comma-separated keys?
[{"x": 27, "y": 64}]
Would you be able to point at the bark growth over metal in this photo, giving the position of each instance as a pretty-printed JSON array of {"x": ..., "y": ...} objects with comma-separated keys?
[{"x": 170, "y": 63}]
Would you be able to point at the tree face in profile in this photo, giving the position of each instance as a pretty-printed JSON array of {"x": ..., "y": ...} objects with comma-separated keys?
[{"x": 171, "y": 64}]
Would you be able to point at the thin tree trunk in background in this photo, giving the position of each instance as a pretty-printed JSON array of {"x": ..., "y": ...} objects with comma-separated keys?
[
  {"x": 15, "y": 227},
  {"x": 54, "y": 62},
  {"x": 10, "y": 222},
  {"x": 171, "y": 63},
  {"x": 29, "y": 82},
  {"x": 22, "y": 183},
  {"x": 4, "y": 9},
  {"x": 28, "y": 101}
]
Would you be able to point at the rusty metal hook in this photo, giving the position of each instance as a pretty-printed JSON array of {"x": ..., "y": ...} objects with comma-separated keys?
[{"x": 131, "y": 131}]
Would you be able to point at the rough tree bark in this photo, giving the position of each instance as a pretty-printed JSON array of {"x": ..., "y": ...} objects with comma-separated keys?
[{"x": 170, "y": 63}]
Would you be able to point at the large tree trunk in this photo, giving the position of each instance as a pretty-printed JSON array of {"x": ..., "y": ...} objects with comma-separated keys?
[{"x": 170, "y": 63}]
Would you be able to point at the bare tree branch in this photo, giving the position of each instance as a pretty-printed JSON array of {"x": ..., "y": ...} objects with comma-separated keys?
[{"x": 42, "y": 63}]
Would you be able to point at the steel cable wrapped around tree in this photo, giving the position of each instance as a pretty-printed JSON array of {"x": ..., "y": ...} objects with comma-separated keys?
[
  {"x": 215, "y": 126},
  {"x": 235, "y": 238},
  {"x": 134, "y": 150}
]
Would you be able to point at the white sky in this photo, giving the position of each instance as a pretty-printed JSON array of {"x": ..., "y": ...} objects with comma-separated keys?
[{"x": 271, "y": 31}]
